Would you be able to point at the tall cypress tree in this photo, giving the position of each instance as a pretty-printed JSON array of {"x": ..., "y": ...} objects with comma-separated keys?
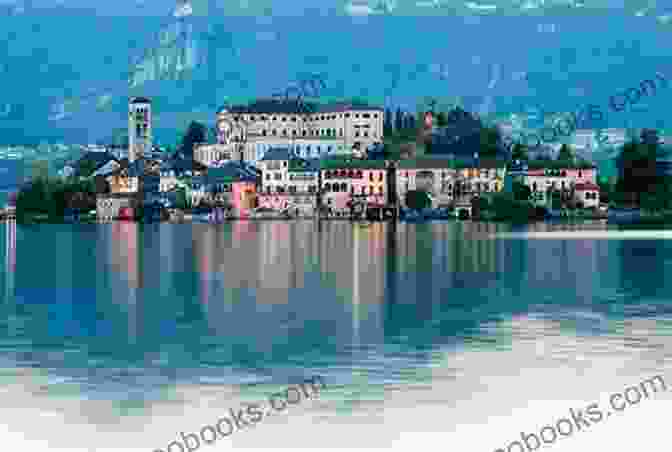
[
  {"x": 398, "y": 120},
  {"x": 387, "y": 123}
]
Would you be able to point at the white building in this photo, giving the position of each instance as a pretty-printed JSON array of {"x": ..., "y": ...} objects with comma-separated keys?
[
  {"x": 276, "y": 122},
  {"x": 139, "y": 128},
  {"x": 212, "y": 154}
]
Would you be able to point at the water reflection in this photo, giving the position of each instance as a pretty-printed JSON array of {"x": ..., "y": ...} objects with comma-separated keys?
[{"x": 257, "y": 300}]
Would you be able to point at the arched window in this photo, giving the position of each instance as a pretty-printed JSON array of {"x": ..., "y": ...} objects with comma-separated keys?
[
  {"x": 359, "y": 174},
  {"x": 335, "y": 188},
  {"x": 344, "y": 187},
  {"x": 327, "y": 186},
  {"x": 351, "y": 174}
]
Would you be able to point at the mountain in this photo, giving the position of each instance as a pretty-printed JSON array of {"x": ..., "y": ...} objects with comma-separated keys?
[{"x": 68, "y": 73}]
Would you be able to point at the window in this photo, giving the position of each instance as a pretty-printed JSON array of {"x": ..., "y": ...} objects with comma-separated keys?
[
  {"x": 359, "y": 174},
  {"x": 293, "y": 118},
  {"x": 268, "y": 176},
  {"x": 304, "y": 133},
  {"x": 263, "y": 132},
  {"x": 284, "y": 132},
  {"x": 341, "y": 132},
  {"x": 275, "y": 132},
  {"x": 292, "y": 189},
  {"x": 251, "y": 118},
  {"x": 335, "y": 188},
  {"x": 380, "y": 176},
  {"x": 327, "y": 186},
  {"x": 284, "y": 118},
  {"x": 371, "y": 176},
  {"x": 347, "y": 115},
  {"x": 366, "y": 115},
  {"x": 277, "y": 176},
  {"x": 356, "y": 134},
  {"x": 375, "y": 115},
  {"x": 356, "y": 115},
  {"x": 366, "y": 134},
  {"x": 344, "y": 187}
]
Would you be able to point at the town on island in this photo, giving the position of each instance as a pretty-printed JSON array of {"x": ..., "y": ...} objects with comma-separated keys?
[{"x": 277, "y": 159}]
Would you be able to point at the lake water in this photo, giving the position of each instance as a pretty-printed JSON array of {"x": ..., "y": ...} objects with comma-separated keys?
[{"x": 441, "y": 336}]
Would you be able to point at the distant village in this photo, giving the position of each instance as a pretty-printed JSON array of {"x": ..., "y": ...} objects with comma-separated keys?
[{"x": 272, "y": 158}]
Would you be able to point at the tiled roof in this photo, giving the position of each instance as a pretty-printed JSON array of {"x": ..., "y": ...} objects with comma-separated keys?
[
  {"x": 292, "y": 106},
  {"x": 584, "y": 186},
  {"x": 340, "y": 163}
]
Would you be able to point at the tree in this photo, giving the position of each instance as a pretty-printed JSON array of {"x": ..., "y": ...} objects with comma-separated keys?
[
  {"x": 519, "y": 152},
  {"x": 398, "y": 120},
  {"x": 388, "y": 129},
  {"x": 196, "y": 133},
  {"x": 441, "y": 119},
  {"x": 101, "y": 184},
  {"x": 417, "y": 200},
  {"x": 565, "y": 154},
  {"x": 40, "y": 170},
  {"x": 181, "y": 199},
  {"x": 490, "y": 140},
  {"x": 86, "y": 167},
  {"x": 521, "y": 192}
]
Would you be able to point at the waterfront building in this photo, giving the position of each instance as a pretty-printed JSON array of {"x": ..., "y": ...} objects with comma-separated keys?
[
  {"x": 214, "y": 154},
  {"x": 231, "y": 185},
  {"x": 345, "y": 180},
  {"x": 109, "y": 206},
  {"x": 347, "y": 125},
  {"x": 448, "y": 181},
  {"x": 545, "y": 175},
  {"x": 274, "y": 167},
  {"x": 299, "y": 193},
  {"x": 139, "y": 128},
  {"x": 436, "y": 176},
  {"x": 588, "y": 194}
]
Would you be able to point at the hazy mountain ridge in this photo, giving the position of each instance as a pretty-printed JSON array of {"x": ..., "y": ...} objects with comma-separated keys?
[{"x": 81, "y": 95}]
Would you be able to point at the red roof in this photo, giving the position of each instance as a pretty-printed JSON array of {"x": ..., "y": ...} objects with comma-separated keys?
[{"x": 585, "y": 186}]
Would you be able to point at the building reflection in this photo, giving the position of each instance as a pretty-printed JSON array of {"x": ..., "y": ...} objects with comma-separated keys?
[
  {"x": 10, "y": 259},
  {"x": 123, "y": 252},
  {"x": 570, "y": 265}
]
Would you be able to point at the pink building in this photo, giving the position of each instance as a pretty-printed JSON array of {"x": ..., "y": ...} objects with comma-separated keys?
[
  {"x": 243, "y": 197},
  {"x": 542, "y": 179},
  {"x": 346, "y": 180},
  {"x": 588, "y": 194}
]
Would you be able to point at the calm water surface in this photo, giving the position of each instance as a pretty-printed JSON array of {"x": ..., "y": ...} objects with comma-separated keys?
[{"x": 128, "y": 334}]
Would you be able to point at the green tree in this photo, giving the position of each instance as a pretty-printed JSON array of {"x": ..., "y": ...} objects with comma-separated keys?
[
  {"x": 417, "y": 200},
  {"x": 441, "y": 119},
  {"x": 519, "y": 152},
  {"x": 40, "y": 170},
  {"x": 490, "y": 140},
  {"x": 521, "y": 192},
  {"x": 196, "y": 133},
  {"x": 87, "y": 167},
  {"x": 181, "y": 199},
  {"x": 565, "y": 154}
]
